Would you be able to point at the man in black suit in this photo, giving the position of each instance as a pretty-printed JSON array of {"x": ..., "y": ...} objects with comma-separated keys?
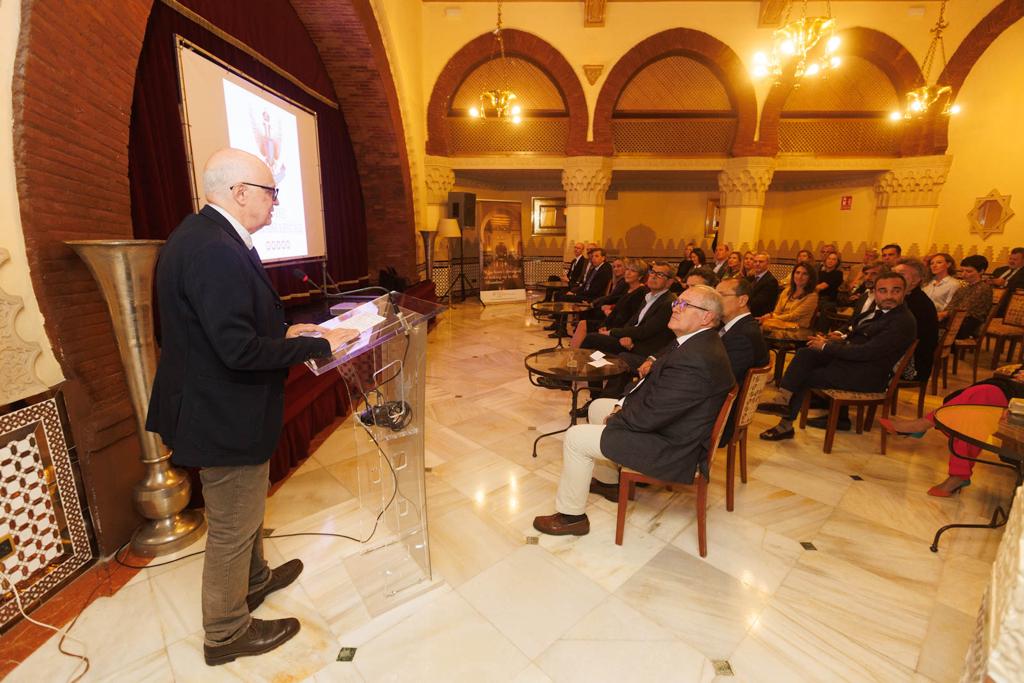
[
  {"x": 741, "y": 335},
  {"x": 721, "y": 259},
  {"x": 764, "y": 288},
  {"x": 860, "y": 361},
  {"x": 574, "y": 274},
  {"x": 595, "y": 282},
  {"x": 661, "y": 428},
  {"x": 913, "y": 271},
  {"x": 218, "y": 395},
  {"x": 647, "y": 331},
  {"x": 1010, "y": 276}
]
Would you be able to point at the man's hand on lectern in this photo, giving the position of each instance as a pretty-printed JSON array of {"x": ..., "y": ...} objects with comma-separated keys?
[
  {"x": 339, "y": 336},
  {"x": 302, "y": 329}
]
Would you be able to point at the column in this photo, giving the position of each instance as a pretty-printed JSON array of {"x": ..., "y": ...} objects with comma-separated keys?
[
  {"x": 439, "y": 181},
  {"x": 741, "y": 186},
  {"x": 907, "y": 199},
  {"x": 585, "y": 181}
]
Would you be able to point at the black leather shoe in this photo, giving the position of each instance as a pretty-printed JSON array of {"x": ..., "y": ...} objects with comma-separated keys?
[
  {"x": 822, "y": 423},
  {"x": 606, "y": 491},
  {"x": 558, "y": 525},
  {"x": 780, "y": 409},
  {"x": 550, "y": 327},
  {"x": 280, "y": 577},
  {"x": 262, "y": 636},
  {"x": 775, "y": 434}
]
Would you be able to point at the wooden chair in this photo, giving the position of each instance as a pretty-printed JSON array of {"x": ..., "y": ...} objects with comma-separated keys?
[
  {"x": 1004, "y": 330},
  {"x": 961, "y": 346},
  {"x": 939, "y": 362},
  {"x": 628, "y": 479},
  {"x": 839, "y": 397},
  {"x": 746, "y": 407}
]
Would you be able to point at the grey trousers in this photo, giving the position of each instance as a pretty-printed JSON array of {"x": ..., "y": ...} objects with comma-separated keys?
[{"x": 233, "y": 565}]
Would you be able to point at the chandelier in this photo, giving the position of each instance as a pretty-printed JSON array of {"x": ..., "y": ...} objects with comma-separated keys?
[
  {"x": 498, "y": 102},
  {"x": 920, "y": 101},
  {"x": 795, "y": 41}
]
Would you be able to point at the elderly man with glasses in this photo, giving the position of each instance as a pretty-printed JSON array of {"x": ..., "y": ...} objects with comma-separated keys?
[
  {"x": 660, "y": 428},
  {"x": 218, "y": 395}
]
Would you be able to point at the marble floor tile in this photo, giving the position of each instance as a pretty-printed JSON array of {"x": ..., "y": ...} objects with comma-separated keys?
[
  {"x": 177, "y": 595},
  {"x": 445, "y": 641},
  {"x": 532, "y": 674},
  {"x": 782, "y": 646},
  {"x": 881, "y": 615},
  {"x": 338, "y": 602},
  {"x": 532, "y": 597},
  {"x": 916, "y": 514},
  {"x": 613, "y": 619},
  {"x": 585, "y": 661},
  {"x": 337, "y": 672},
  {"x": 304, "y": 495},
  {"x": 823, "y": 484},
  {"x": 702, "y": 605},
  {"x": 744, "y": 550},
  {"x": 597, "y": 557},
  {"x": 780, "y": 510},
  {"x": 881, "y": 550},
  {"x": 963, "y": 582},
  {"x": 462, "y": 544},
  {"x": 154, "y": 668},
  {"x": 478, "y": 472},
  {"x": 441, "y": 497},
  {"x": 516, "y": 506},
  {"x": 949, "y": 633}
]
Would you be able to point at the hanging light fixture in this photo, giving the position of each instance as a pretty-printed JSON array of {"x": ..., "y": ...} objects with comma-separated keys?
[
  {"x": 498, "y": 102},
  {"x": 795, "y": 41},
  {"x": 920, "y": 101}
]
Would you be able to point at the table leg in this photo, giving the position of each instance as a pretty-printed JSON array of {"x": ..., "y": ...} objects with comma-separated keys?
[{"x": 572, "y": 418}]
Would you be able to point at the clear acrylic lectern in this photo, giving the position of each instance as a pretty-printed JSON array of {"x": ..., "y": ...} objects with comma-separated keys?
[{"x": 385, "y": 370}]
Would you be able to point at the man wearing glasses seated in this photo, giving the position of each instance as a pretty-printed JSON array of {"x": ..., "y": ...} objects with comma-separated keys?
[{"x": 660, "y": 428}]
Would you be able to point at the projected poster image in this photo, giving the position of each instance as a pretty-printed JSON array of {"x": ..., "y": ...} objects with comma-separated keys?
[{"x": 258, "y": 126}]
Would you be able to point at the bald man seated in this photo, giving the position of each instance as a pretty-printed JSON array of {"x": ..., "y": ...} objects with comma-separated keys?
[
  {"x": 218, "y": 395},
  {"x": 661, "y": 428}
]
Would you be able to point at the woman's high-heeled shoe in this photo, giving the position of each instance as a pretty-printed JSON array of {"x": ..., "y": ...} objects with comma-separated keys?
[
  {"x": 940, "y": 492},
  {"x": 888, "y": 426}
]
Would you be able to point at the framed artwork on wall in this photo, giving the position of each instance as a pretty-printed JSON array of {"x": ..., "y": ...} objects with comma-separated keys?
[
  {"x": 548, "y": 216},
  {"x": 711, "y": 219}
]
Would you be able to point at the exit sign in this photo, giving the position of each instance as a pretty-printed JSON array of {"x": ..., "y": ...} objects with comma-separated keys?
[{"x": 846, "y": 202}]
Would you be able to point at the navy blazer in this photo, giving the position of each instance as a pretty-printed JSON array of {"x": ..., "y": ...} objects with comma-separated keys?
[
  {"x": 665, "y": 424},
  {"x": 576, "y": 269},
  {"x": 865, "y": 361},
  {"x": 218, "y": 395},
  {"x": 745, "y": 346},
  {"x": 763, "y": 294}
]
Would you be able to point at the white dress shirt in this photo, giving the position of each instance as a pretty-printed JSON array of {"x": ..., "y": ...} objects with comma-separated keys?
[
  {"x": 941, "y": 291},
  {"x": 242, "y": 232}
]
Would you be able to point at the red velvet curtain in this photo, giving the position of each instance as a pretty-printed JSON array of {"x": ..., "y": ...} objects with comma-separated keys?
[{"x": 157, "y": 162}]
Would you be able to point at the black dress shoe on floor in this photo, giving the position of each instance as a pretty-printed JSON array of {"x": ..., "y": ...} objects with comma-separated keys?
[
  {"x": 606, "y": 491},
  {"x": 775, "y": 434},
  {"x": 279, "y": 578},
  {"x": 262, "y": 636},
  {"x": 559, "y": 525},
  {"x": 780, "y": 409},
  {"x": 822, "y": 423}
]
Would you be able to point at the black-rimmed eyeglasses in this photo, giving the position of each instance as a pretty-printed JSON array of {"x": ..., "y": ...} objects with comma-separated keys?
[
  {"x": 683, "y": 304},
  {"x": 274, "y": 191},
  {"x": 663, "y": 276}
]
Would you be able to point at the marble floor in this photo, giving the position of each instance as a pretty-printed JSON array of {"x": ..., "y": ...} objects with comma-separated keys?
[{"x": 816, "y": 576}]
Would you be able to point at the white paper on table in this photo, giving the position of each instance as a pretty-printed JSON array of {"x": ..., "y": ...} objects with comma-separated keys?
[
  {"x": 599, "y": 362},
  {"x": 597, "y": 355},
  {"x": 360, "y": 319}
]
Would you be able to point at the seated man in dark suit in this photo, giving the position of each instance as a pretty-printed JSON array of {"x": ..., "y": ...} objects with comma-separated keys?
[
  {"x": 764, "y": 287},
  {"x": 920, "y": 367},
  {"x": 661, "y": 428},
  {"x": 741, "y": 335},
  {"x": 861, "y": 361},
  {"x": 1010, "y": 276},
  {"x": 573, "y": 272},
  {"x": 595, "y": 282}
]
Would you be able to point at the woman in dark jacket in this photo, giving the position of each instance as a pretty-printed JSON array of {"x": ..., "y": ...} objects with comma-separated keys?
[{"x": 617, "y": 315}]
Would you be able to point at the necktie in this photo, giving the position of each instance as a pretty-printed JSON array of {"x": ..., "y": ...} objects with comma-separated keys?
[{"x": 866, "y": 317}]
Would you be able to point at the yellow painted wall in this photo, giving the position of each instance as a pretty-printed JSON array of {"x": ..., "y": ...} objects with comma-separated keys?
[
  {"x": 14, "y": 275},
  {"x": 804, "y": 219},
  {"x": 987, "y": 147}
]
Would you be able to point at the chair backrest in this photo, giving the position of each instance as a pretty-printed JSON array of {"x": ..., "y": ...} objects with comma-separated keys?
[
  {"x": 1015, "y": 309},
  {"x": 983, "y": 330},
  {"x": 716, "y": 431},
  {"x": 894, "y": 381},
  {"x": 750, "y": 394},
  {"x": 952, "y": 330}
]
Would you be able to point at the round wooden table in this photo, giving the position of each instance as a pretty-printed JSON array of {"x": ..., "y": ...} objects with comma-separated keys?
[
  {"x": 560, "y": 311},
  {"x": 568, "y": 370},
  {"x": 985, "y": 427}
]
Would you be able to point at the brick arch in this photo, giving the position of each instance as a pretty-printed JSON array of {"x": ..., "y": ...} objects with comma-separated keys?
[
  {"x": 73, "y": 84},
  {"x": 881, "y": 49},
  {"x": 934, "y": 138},
  {"x": 684, "y": 42},
  {"x": 519, "y": 44}
]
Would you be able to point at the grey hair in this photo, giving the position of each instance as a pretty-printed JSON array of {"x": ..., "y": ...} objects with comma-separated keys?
[
  {"x": 708, "y": 298},
  {"x": 917, "y": 265}
]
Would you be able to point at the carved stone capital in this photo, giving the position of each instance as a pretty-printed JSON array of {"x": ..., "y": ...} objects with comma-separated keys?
[
  {"x": 17, "y": 357},
  {"x": 914, "y": 181},
  {"x": 586, "y": 180},
  {"x": 439, "y": 181},
  {"x": 744, "y": 180}
]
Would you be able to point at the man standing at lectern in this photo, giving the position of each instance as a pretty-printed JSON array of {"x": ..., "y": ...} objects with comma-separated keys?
[{"x": 218, "y": 395}]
